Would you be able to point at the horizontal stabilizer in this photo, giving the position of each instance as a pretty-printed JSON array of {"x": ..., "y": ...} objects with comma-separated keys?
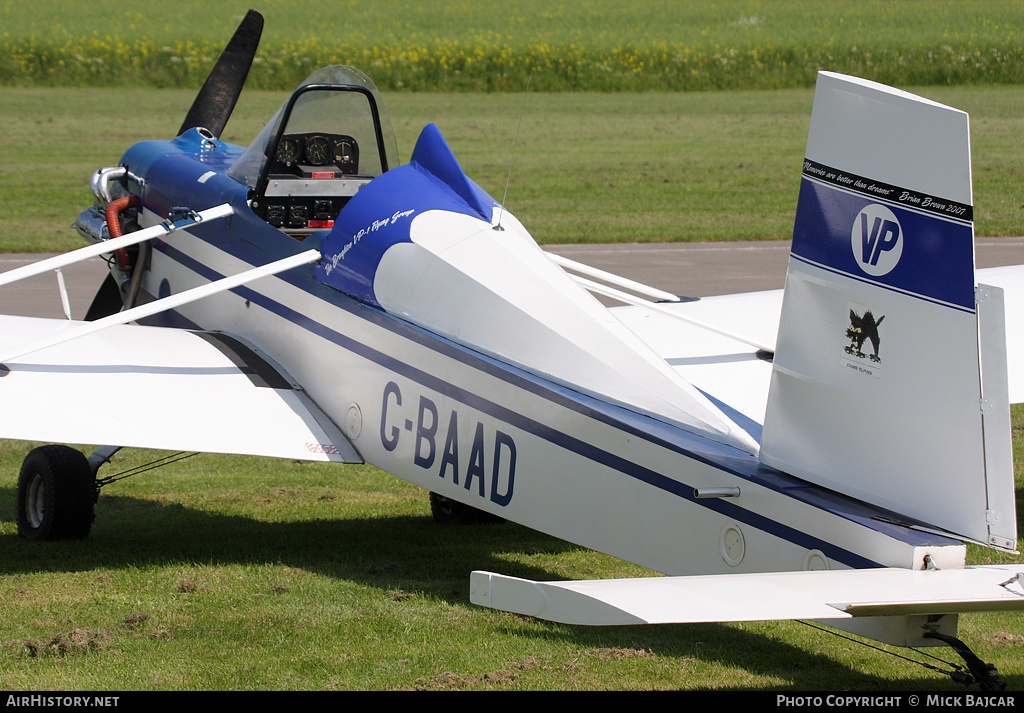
[
  {"x": 152, "y": 387},
  {"x": 814, "y": 595}
]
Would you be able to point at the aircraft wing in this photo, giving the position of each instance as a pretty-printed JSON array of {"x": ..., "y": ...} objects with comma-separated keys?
[
  {"x": 152, "y": 387},
  {"x": 815, "y": 595}
]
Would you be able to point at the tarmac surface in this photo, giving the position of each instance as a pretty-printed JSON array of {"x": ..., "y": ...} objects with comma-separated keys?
[{"x": 691, "y": 269}]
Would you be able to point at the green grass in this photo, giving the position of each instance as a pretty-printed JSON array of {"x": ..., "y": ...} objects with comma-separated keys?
[
  {"x": 599, "y": 45},
  {"x": 234, "y": 573},
  {"x": 589, "y": 167}
]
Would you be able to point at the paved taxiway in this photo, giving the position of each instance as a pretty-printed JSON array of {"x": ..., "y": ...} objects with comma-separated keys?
[{"x": 692, "y": 269}]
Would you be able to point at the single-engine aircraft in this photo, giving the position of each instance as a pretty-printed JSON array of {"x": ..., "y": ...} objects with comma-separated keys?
[{"x": 821, "y": 452}]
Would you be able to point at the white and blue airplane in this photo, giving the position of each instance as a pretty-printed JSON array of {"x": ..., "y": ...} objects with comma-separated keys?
[{"x": 821, "y": 452}]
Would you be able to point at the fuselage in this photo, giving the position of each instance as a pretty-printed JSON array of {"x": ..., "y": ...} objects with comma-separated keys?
[{"x": 490, "y": 434}]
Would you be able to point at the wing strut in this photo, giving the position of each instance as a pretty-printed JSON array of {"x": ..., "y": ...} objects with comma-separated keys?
[
  {"x": 227, "y": 283},
  {"x": 107, "y": 246}
]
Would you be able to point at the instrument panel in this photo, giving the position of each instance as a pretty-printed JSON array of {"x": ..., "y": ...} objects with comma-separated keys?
[
  {"x": 311, "y": 178},
  {"x": 306, "y": 154}
]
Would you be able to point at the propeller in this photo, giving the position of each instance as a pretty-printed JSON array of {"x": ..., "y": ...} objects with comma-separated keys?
[
  {"x": 213, "y": 105},
  {"x": 211, "y": 110}
]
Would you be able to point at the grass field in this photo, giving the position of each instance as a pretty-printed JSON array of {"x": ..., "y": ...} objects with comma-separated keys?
[
  {"x": 599, "y": 45},
  {"x": 230, "y": 573},
  {"x": 653, "y": 166}
]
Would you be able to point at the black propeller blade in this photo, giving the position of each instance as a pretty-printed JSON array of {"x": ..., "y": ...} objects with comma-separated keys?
[
  {"x": 211, "y": 110},
  {"x": 215, "y": 101}
]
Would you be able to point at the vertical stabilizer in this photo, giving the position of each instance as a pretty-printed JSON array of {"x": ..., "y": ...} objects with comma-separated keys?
[{"x": 877, "y": 386}]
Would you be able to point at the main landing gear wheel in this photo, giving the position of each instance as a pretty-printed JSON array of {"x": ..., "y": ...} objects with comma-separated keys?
[
  {"x": 447, "y": 511},
  {"x": 56, "y": 494}
]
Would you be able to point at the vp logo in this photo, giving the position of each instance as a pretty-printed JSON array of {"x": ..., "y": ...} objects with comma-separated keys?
[{"x": 877, "y": 240}]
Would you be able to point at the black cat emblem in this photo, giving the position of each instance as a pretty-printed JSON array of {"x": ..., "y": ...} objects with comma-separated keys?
[{"x": 863, "y": 328}]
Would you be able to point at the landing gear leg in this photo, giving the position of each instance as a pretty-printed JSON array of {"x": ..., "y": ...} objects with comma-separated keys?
[
  {"x": 101, "y": 456},
  {"x": 447, "y": 512},
  {"x": 981, "y": 673}
]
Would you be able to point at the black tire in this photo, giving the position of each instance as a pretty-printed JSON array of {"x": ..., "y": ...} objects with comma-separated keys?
[
  {"x": 448, "y": 512},
  {"x": 56, "y": 494}
]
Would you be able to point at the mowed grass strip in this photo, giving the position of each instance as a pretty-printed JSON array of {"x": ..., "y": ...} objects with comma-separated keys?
[
  {"x": 589, "y": 167},
  {"x": 237, "y": 573}
]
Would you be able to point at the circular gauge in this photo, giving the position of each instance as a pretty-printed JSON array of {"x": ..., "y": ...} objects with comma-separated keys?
[
  {"x": 318, "y": 150},
  {"x": 288, "y": 151},
  {"x": 344, "y": 154}
]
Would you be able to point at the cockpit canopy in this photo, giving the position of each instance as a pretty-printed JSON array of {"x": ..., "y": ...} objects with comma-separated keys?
[{"x": 330, "y": 138}]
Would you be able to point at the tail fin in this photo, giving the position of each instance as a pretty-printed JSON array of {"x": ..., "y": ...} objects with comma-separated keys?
[{"x": 878, "y": 389}]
